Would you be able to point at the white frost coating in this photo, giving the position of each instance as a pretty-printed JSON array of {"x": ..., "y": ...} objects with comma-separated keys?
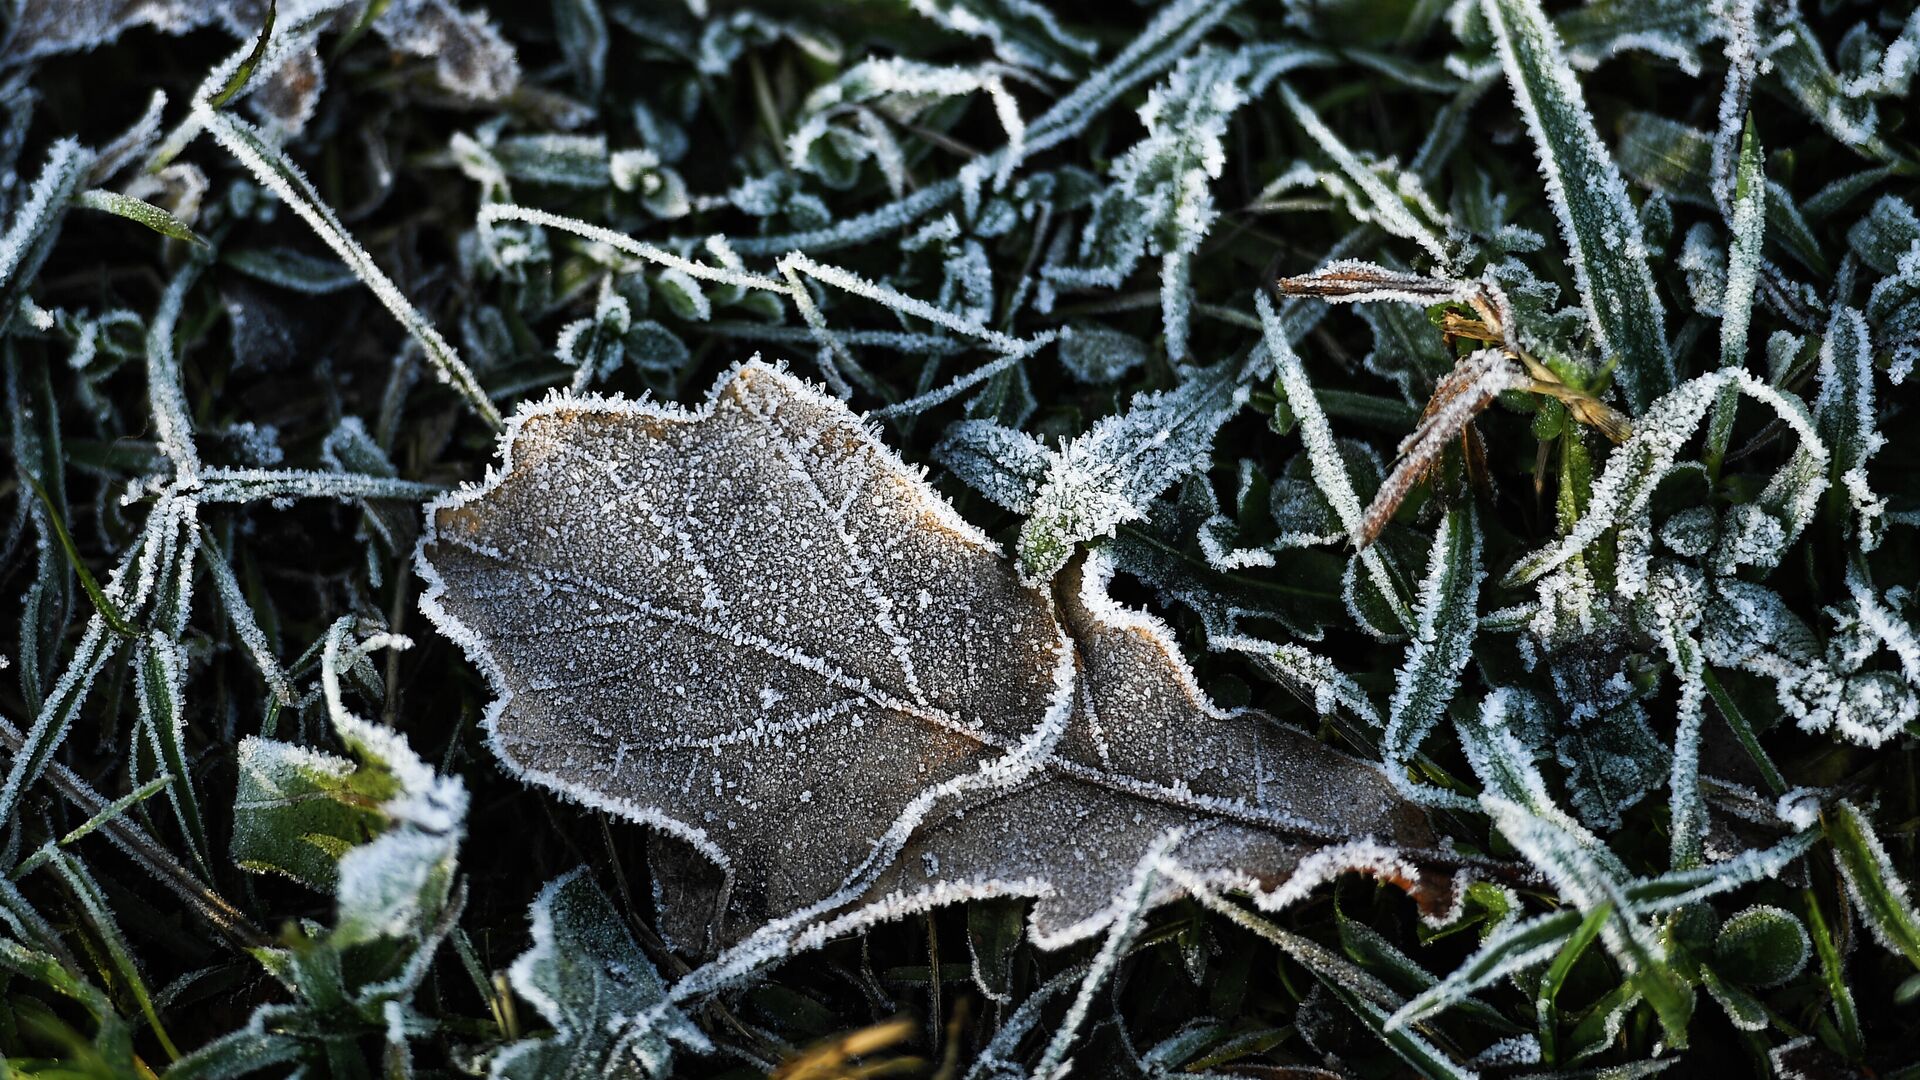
[
  {"x": 1597, "y": 219},
  {"x": 164, "y": 387},
  {"x": 1005, "y": 464},
  {"x": 1323, "y": 454},
  {"x": 1675, "y": 602},
  {"x": 1160, "y": 201},
  {"x": 792, "y": 267},
  {"x": 1748, "y": 221},
  {"x": 1357, "y": 281},
  {"x": 1821, "y": 688},
  {"x": 388, "y": 887},
  {"x": 1313, "y": 678},
  {"x": 1742, "y": 52},
  {"x": 1175, "y": 30},
  {"x": 1845, "y": 414},
  {"x": 1125, "y": 928},
  {"x": 996, "y": 22},
  {"x": 1888, "y": 889},
  {"x": 24, "y": 243},
  {"x": 588, "y": 978},
  {"x": 1800, "y": 808},
  {"x": 1384, "y": 206},
  {"x": 813, "y": 609},
  {"x": 899, "y": 89},
  {"x": 1584, "y": 880}
]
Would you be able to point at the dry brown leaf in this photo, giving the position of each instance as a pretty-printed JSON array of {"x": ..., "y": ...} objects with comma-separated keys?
[{"x": 753, "y": 627}]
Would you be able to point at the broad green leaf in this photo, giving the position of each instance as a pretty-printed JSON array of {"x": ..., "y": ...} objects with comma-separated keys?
[
  {"x": 297, "y": 810},
  {"x": 1761, "y": 946}
]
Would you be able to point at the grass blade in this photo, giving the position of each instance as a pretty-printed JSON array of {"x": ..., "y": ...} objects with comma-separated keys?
[
  {"x": 1602, "y": 231},
  {"x": 246, "y": 143}
]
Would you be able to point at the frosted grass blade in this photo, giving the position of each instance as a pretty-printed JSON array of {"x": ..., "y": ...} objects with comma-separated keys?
[{"x": 1598, "y": 221}]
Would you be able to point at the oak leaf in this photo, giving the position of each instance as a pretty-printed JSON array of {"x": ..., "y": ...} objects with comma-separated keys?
[{"x": 752, "y": 627}]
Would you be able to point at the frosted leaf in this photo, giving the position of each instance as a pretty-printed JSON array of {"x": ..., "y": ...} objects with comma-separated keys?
[
  {"x": 1673, "y": 605},
  {"x": 1821, "y": 688},
  {"x": 1612, "y": 757},
  {"x": 1108, "y": 475},
  {"x": 1889, "y": 231},
  {"x": 834, "y": 665},
  {"x": 1022, "y": 32},
  {"x": 1893, "y": 309},
  {"x": 1097, "y": 354},
  {"x": 36, "y": 223},
  {"x": 470, "y": 57},
  {"x": 1704, "y": 263},
  {"x": 1597, "y": 220},
  {"x": 1844, "y": 413},
  {"x": 1844, "y": 107},
  {"x": 1762, "y": 946},
  {"x": 1671, "y": 29},
  {"x": 1356, "y": 281},
  {"x": 1878, "y": 890},
  {"x": 1469, "y": 388},
  {"x": 1622, "y": 495},
  {"x": 297, "y": 810},
  {"x": 396, "y": 884},
  {"x": 570, "y": 161},
  {"x": 1442, "y": 645},
  {"x": 49, "y": 27},
  {"x": 1006, "y": 465},
  {"x": 593, "y": 346},
  {"x": 1323, "y": 453},
  {"x": 587, "y": 977},
  {"x": 840, "y": 125},
  {"x": 1160, "y": 200},
  {"x": 1313, "y": 679}
]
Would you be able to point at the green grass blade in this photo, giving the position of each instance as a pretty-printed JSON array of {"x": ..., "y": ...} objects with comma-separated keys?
[
  {"x": 153, "y": 217},
  {"x": 1602, "y": 230},
  {"x": 244, "y": 73},
  {"x": 1878, "y": 891},
  {"x": 245, "y": 142},
  {"x": 108, "y": 610}
]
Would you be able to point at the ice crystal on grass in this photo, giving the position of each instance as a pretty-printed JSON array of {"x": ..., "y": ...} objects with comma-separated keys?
[
  {"x": 1160, "y": 201},
  {"x": 852, "y": 697}
]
